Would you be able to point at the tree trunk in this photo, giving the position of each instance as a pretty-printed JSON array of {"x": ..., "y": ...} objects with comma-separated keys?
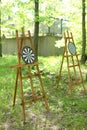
[
  {"x": 83, "y": 56},
  {"x": 0, "y": 48},
  {"x": 36, "y": 27},
  {"x": 0, "y": 42}
]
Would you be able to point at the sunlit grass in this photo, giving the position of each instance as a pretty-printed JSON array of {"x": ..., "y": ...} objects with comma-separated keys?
[{"x": 65, "y": 112}]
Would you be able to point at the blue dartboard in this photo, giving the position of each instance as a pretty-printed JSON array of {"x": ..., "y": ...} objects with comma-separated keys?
[
  {"x": 72, "y": 48},
  {"x": 28, "y": 55}
]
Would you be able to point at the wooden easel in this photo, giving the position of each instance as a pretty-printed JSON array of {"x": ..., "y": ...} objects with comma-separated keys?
[
  {"x": 21, "y": 41},
  {"x": 72, "y": 63}
]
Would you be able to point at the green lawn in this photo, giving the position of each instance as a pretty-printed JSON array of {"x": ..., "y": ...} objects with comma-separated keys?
[{"x": 66, "y": 113}]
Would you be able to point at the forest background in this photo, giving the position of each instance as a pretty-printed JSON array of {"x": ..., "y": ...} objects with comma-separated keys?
[{"x": 30, "y": 14}]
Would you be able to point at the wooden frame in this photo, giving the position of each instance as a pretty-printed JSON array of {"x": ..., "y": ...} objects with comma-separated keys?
[
  {"x": 68, "y": 37},
  {"x": 21, "y": 41}
]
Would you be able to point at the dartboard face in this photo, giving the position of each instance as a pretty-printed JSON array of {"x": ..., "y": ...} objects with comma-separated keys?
[
  {"x": 28, "y": 55},
  {"x": 72, "y": 48}
]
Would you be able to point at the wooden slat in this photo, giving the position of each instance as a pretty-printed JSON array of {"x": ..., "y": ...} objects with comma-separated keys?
[
  {"x": 31, "y": 100},
  {"x": 23, "y": 65},
  {"x": 73, "y": 65},
  {"x": 28, "y": 76},
  {"x": 67, "y": 55}
]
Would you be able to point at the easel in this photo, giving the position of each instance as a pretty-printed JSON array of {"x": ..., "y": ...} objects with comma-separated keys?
[
  {"x": 21, "y": 41},
  {"x": 68, "y": 37}
]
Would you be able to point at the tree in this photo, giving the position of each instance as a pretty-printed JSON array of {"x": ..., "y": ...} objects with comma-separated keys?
[
  {"x": 36, "y": 27},
  {"x": 83, "y": 57},
  {"x": 0, "y": 36},
  {"x": 16, "y": 14},
  {"x": 0, "y": 44}
]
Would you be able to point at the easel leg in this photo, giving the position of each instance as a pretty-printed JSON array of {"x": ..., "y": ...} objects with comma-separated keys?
[
  {"x": 22, "y": 96},
  {"x": 70, "y": 88},
  {"x": 42, "y": 87},
  {"x": 31, "y": 83},
  {"x": 16, "y": 84},
  {"x": 75, "y": 75},
  {"x": 59, "y": 76},
  {"x": 69, "y": 79}
]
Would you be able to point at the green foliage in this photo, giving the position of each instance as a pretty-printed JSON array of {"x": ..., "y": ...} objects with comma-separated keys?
[
  {"x": 18, "y": 13},
  {"x": 65, "y": 112}
]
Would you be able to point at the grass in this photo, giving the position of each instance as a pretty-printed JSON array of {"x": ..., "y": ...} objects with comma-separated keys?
[{"x": 66, "y": 113}]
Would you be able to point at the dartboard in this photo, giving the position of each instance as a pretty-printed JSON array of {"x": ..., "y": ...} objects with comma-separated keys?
[
  {"x": 72, "y": 48},
  {"x": 28, "y": 55}
]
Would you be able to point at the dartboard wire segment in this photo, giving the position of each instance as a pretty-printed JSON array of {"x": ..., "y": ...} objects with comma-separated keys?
[{"x": 28, "y": 55}]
